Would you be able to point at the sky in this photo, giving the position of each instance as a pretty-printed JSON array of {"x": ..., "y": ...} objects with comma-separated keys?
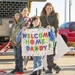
[{"x": 59, "y": 6}]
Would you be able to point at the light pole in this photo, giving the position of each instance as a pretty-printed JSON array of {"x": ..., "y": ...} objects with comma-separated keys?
[
  {"x": 65, "y": 11},
  {"x": 70, "y": 3},
  {"x": 36, "y": 11}
]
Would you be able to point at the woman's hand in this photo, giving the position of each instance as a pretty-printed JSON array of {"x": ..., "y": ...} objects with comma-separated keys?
[
  {"x": 48, "y": 27},
  {"x": 24, "y": 28},
  {"x": 53, "y": 28}
]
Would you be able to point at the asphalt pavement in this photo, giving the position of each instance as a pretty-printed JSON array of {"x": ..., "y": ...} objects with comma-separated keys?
[{"x": 67, "y": 64}]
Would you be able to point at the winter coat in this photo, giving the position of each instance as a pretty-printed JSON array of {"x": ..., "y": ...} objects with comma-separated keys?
[
  {"x": 52, "y": 19},
  {"x": 15, "y": 29}
]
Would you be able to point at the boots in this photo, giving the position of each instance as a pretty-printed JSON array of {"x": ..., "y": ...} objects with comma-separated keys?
[
  {"x": 43, "y": 69},
  {"x": 49, "y": 69},
  {"x": 58, "y": 69},
  {"x": 34, "y": 73}
]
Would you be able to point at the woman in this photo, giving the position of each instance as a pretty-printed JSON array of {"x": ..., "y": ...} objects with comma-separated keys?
[
  {"x": 49, "y": 18},
  {"x": 27, "y": 21},
  {"x": 17, "y": 46}
]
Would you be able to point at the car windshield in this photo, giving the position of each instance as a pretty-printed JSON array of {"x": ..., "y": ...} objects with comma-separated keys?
[{"x": 65, "y": 25}]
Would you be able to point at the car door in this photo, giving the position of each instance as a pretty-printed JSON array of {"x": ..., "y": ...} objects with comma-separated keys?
[{"x": 71, "y": 33}]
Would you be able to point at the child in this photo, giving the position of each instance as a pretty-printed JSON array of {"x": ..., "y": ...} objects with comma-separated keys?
[
  {"x": 17, "y": 46},
  {"x": 27, "y": 21},
  {"x": 37, "y": 59}
]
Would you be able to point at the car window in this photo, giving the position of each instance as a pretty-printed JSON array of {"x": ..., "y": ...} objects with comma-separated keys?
[
  {"x": 65, "y": 25},
  {"x": 62, "y": 26},
  {"x": 73, "y": 27}
]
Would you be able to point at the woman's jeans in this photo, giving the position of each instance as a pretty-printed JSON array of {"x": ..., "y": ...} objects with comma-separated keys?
[
  {"x": 37, "y": 61},
  {"x": 26, "y": 58},
  {"x": 18, "y": 58}
]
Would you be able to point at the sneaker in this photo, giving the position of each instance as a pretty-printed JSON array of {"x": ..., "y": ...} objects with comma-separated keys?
[
  {"x": 2, "y": 71},
  {"x": 39, "y": 72},
  {"x": 34, "y": 73},
  {"x": 13, "y": 71},
  {"x": 48, "y": 71},
  {"x": 25, "y": 68},
  {"x": 43, "y": 69},
  {"x": 58, "y": 70},
  {"x": 19, "y": 72}
]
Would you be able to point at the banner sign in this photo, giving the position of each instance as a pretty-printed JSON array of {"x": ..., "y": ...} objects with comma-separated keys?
[
  {"x": 62, "y": 48},
  {"x": 35, "y": 42}
]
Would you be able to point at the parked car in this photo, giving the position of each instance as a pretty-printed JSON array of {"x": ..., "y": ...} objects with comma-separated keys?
[{"x": 67, "y": 31}]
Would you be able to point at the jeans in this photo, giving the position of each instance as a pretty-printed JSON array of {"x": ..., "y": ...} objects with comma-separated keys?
[
  {"x": 50, "y": 63},
  {"x": 37, "y": 61},
  {"x": 26, "y": 58},
  {"x": 18, "y": 58}
]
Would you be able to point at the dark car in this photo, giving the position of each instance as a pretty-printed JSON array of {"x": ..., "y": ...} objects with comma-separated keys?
[{"x": 67, "y": 31}]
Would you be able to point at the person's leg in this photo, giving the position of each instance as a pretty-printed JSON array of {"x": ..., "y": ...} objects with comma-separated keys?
[
  {"x": 26, "y": 58},
  {"x": 35, "y": 62},
  {"x": 39, "y": 60},
  {"x": 16, "y": 60},
  {"x": 40, "y": 64},
  {"x": 56, "y": 68},
  {"x": 51, "y": 64},
  {"x": 15, "y": 54},
  {"x": 35, "y": 65},
  {"x": 20, "y": 59}
]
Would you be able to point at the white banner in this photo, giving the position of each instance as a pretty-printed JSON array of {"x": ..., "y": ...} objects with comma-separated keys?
[
  {"x": 62, "y": 47},
  {"x": 35, "y": 42}
]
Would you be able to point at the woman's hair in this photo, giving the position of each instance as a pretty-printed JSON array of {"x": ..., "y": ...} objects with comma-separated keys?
[
  {"x": 33, "y": 19},
  {"x": 44, "y": 11},
  {"x": 23, "y": 8},
  {"x": 20, "y": 16}
]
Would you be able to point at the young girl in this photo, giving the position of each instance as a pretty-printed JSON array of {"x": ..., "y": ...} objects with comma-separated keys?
[
  {"x": 27, "y": 21},
  {"x": 37, "y": 59},
  {"x": 17, "y": 46}
]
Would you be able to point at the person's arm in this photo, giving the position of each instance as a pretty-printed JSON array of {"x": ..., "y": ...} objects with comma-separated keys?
[
  {"x": 18, "y": 38},
  {"x": 28, "y": 22},
  {"x": 51, "y": 34},
  {"x": 56, "y": 23}
]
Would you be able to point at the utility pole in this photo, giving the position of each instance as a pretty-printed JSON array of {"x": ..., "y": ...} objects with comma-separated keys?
[
  {"x": 36, "y": 11},
  {"x": 70, "y": 3},
  {"x": 65, "y": 11}
]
